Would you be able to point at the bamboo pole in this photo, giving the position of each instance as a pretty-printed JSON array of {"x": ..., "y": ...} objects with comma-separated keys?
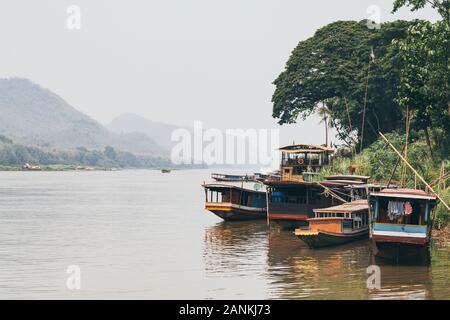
[
  {"x": 331, "y": 192},
  {"x": 415, "y": 172},
  {"x": 404, "y": 169}
]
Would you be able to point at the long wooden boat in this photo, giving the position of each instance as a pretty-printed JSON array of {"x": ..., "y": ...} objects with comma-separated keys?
[
  {"x": 293, "y": 196},
  {"x": 244, "y": 177},
  {"x": 401, "y": 223},
  {"x": 238, "y": 200},
  {"x": 336, "y": 225},
  {"x": 231, "y": 177},
  {"x": 292, "y": 203}
]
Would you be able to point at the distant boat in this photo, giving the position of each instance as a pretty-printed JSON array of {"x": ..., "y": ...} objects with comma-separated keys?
[
  {"x": 236, "y": 200},
  {"x": 401, "y": 223},
  {"x": 165, "y": 170},
  {"x": 336, "y": 225},
  {"x": 29, "y": 167},
  {"x": 83, "y": 168}
]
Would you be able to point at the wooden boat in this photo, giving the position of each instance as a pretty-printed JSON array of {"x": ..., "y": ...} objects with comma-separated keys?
[
  {"x": 336, "y": 225},
  {"x": 231, "y": 177},
  {"x": 165, "y": 170},
  {"x": 293, "y": 198},
  {"x": 398, "y": 233},
  {"x": 238, "y": 200}
]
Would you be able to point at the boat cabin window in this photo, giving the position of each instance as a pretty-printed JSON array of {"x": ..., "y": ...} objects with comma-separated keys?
[
  {"x": 244, "y": 198},
  {"x": 306, "y": 159},
  {"x": 350, "y": 221},
  {"x": 222, "y": 196},
  {"x": 401, "y": 211}
]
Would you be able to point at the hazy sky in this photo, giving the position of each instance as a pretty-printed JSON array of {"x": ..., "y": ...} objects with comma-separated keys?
[{"x": 174, "y": 61}]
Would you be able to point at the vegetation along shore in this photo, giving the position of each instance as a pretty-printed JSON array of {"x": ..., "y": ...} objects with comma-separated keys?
[{"x": 362, "y": 81}]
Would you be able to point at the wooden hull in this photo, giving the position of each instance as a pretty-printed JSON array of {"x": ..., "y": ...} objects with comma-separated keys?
[
  {"x": 290, "y": 217},
  {"x": 322, "y": 239},
  {"x": 289, "y": 222},
  {"x": 400, "y": 250},
  {"x": 232, "y": 212}
]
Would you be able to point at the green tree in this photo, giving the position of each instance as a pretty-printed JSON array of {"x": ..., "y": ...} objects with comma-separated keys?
[
  {"x": 442, "y": 6},
  {"x": 332, "y": 67},
  {"x": 426, "y": 76}
]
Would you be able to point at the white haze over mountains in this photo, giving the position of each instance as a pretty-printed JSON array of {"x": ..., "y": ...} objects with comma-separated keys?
[
  {"x": 171, "y": 61},
  {"x": 33, "y": 115}
]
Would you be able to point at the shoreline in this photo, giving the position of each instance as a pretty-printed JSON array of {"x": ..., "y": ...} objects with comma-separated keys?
[{"x": 442, "y": 234}]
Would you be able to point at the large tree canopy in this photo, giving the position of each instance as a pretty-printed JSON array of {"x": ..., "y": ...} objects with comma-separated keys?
[
  {"x": 442, "y": 6},
  {"x": 333, "y": 66},
  {"x": 424, "y": 77}
]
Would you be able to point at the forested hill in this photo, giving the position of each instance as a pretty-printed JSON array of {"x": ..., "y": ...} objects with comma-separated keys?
[{"x": 33, "y": 115}]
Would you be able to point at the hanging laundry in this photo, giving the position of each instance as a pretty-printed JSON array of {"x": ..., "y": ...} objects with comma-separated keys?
[
  {"x": 408, "y": 208},
  {"x": 395, "y": 209}
]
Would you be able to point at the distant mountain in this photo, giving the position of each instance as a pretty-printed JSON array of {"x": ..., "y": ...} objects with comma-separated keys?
[
  {"x": 128, "y": 123},
  {"x": 31, "y": 114}
]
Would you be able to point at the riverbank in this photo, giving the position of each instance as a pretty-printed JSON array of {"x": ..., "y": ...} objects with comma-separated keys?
[
  {"x": 57, "y": 167},
  {"x": 442, "y": 234}
]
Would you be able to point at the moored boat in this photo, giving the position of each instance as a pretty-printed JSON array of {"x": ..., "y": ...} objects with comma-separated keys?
[
  {"x": 244, "y": 177},
  {"x": 292, "y": 197},
  {"x": 237, "y": 200},
  {"x": 336, "y": 225},
  {"x": 401, "y": 223},
  {"x": 231, "y": 177}
]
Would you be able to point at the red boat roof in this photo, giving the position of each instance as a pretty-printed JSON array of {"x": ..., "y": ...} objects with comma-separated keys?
[
  {"x": 348, "y": 207},
  {"x": 347, "y": 177},
  {"x": 404, "y": 193}
]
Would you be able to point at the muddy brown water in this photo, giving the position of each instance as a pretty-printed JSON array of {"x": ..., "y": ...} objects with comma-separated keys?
[{"x": 145, "y": 235}]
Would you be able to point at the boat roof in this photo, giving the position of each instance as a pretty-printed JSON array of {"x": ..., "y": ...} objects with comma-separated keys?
[
  {"x": 237, "y": 185},
  {"x": 347, "y": 177},
  {"x": 303, "y": 148},
  {"x": 341, "y": 182},
  {"x": 404, "y": 193},
  {"x": 290, "y": 183},
  {"x": 319, "y": 184},
  {"x": 348, "y": 207}
]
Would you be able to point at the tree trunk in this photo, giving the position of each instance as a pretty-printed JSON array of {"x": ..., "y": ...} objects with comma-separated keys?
[
  {"x": 427, "y": 137},
  {"x": 326, "y": 132}
]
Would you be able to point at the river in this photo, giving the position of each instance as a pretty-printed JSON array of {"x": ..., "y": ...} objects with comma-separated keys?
[{"x": 141, "y": 234}]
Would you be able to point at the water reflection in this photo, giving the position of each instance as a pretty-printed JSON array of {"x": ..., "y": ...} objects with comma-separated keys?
[
  {"x": 293, "y": 271},
  {"x": 299, "y": 272},
  {"x": 235, "y": 247}
]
